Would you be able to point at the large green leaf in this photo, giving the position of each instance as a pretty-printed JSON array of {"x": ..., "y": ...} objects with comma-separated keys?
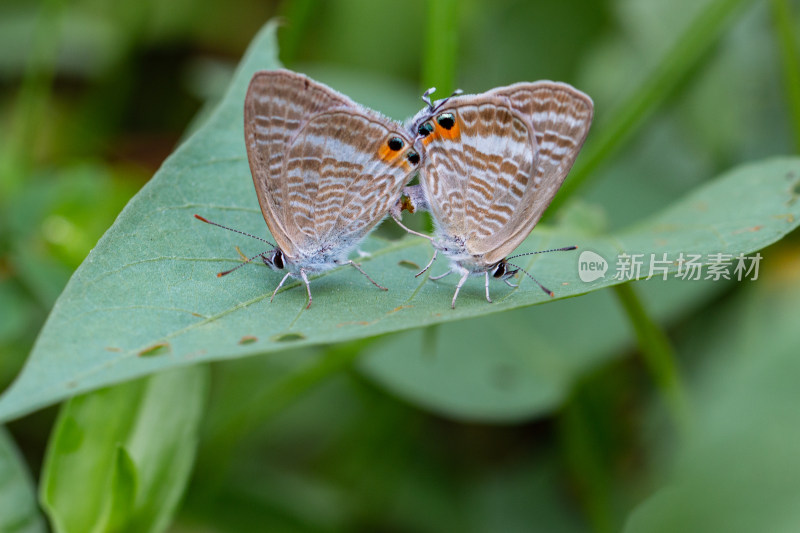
[
  {"x": 147, "y": 297},
  {"x": 132, "y": 447},
  {"x": 18, "y": 512}
]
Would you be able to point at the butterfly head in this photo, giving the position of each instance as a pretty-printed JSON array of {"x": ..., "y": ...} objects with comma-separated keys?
[{"x": 431, "y": 120}]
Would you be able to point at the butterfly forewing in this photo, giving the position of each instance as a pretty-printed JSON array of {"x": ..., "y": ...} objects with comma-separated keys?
[
  {"x": 277, "y": 105},
  {"x": 560, "y": 116}
]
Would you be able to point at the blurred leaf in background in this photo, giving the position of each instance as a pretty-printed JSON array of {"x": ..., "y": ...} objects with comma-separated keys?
[
  {"x": 18, "y": 512},
  {"x": 740, "y": 470}
]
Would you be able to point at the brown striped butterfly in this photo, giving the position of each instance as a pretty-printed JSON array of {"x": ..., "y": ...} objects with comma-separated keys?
[
  {"x": 326, "y": 171},
  {"x": 492, "y": 163}
]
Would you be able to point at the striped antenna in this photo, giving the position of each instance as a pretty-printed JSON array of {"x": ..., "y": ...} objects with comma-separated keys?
[
  {"x": 565, "y": 249},
  {"x": 240, "y": 265},
  {"x": 198, "y": 217},
  {"x": 545, "y": 289}
]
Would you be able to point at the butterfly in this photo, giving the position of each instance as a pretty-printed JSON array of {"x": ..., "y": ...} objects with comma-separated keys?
[
  {"x": 326, "y": 171},
  {"x": 492, "y": 163}
]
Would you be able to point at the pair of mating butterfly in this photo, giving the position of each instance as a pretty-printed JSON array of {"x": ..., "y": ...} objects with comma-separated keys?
[{"x": 327, "y": 171}]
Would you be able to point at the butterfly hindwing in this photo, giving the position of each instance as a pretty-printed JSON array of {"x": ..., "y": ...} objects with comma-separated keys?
[
  {"x": 476, "y": 174},
  {"x": 319, "y": 162},
  {"x": 514, "y": 148},
  {"x": 341, "y": 177}
]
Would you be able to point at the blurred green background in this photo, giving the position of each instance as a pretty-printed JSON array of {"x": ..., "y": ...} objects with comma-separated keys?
[{"x": 94, "y": 95}]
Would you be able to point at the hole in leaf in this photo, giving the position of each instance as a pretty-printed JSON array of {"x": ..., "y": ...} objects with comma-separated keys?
[
  {"x": 288, "y": 337},
  {"x": 408, "y": 264},
  {"x": 162, "y": 348},
  {"x": 248, "y": 339}
]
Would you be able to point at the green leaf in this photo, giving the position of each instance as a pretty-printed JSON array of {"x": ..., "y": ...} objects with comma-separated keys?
[
  {"x": 18, "y": 512},
  {"x": 132, "y": 448},
  {"x": 149, "y": 286},
  {"x": 123, "y": 491}
]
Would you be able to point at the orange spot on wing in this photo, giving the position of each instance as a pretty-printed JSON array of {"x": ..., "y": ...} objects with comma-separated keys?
[
  {"x": 453, "y": 133},
  {"x": 387, "y": 154}
]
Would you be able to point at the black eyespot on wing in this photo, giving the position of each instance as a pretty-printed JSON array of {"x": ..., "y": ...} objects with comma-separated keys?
[
  {"x": 446, "y": 120},
  {"x": 395, "y": 144},
  {"x": 413, "y": 157},
  {"x": 425, "y": 129}
]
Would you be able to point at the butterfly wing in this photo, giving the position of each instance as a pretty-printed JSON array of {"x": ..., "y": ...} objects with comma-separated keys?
[
  {"x": 312, "y": 152},
  {"x": 277, "y": 105},
  {"x": 490, "y": 183},
  {"x": 342, "y": 176},
  {"x": 561, "y": 116},
  {"x": 475, "y": 173}
]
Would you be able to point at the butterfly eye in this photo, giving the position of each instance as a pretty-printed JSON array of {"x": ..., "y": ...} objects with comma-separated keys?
[
  {"x": 499, "y": 270},
  {"x": 395, "y": 144},
  {"x": 413, "y": 157},
  {"x": 446, "y": 120},
  {"x": 277, "y": 260},
  {"x": 425, "y": 129}
]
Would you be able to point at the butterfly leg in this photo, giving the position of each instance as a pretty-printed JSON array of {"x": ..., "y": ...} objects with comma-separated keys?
[
  {"x": 464, "y": 277},
  {"x": 280, "y": 285},
  {"x": 355, "y": 265},
  {"x": 396, "y": 219},
  {"x": 487, "y": 287},
  {"x": 510, "y": 284},
  {"x": 434, "y": 278},
  {"x": 308, "y": 287},
  {"x": 421, "y": 272}
]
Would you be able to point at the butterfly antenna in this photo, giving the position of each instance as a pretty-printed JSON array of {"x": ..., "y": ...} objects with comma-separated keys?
[
  {"x": 198, "y": 217},
  {"x": 440, "y": 104},
  {"x": 545, "y": 289},
  {"x": 565, "y": 249},
  {"x": 240, "y": 265},
  {"x": 426, "y": 97}
]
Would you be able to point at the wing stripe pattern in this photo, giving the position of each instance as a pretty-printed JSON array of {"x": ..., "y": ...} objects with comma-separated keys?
[
  {"x": 489, "y": 187},
  {"x": 277, "y": 104},
  {"x": 342, "y": 188},
  {"x": 560, "y": 117},
  {"x": 319, "y": 174},
  {"x": 475, "y": 180}
]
